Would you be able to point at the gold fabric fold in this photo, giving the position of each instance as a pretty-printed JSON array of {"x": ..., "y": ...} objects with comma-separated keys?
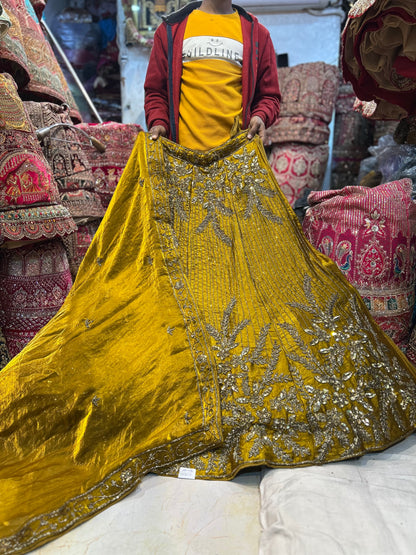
[
  {"x": 203, "y": 330},
  {"x": 119, "y": 382}
]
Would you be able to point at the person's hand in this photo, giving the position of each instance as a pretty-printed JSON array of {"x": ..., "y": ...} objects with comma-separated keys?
[
  {"x": 256, "y": 125},
  {"x": 157, "y": 131}
]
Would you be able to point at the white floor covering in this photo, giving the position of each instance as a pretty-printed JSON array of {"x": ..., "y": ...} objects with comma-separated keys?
[
  {"x": 169, "y": 516},
  {"x": 365, "y": 506}
]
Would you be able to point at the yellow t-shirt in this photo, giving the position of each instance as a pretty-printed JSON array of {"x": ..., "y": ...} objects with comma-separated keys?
[{"x": 212, "y": 56}]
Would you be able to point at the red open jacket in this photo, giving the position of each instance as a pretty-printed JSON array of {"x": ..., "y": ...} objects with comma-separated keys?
[{"x": 260, "y": 85}]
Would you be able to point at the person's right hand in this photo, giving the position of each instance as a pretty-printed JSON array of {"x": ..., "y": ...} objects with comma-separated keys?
[{"x": 157, "y": 131}]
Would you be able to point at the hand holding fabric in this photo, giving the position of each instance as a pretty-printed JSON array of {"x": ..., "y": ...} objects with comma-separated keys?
[
  {"x": 157, "y": 131},
  {"x": 256, "y": 125}
]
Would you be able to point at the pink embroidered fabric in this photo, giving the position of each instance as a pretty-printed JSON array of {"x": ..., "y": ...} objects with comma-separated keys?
[
  {"x": 36, "y": 222},
  {"x": 298, "y": 167},
  {"x": 107, "y": 167},
  {"x": 308, "y": 97},
  {"x": 371, "y": 235},
  {"x": 29, "y": 198},
  {"x": 77, "y": 244},
  {"x": 34, "y": 281},
  {"x": 300, "y": 129}
]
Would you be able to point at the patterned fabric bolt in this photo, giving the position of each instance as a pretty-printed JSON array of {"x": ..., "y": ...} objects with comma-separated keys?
[
  {"x": 34, "y": 281},
  {"x": 29, "y": 198},
  {"x": 370, "y": 234},
  {"x": 308, "y": 96},
  {"x": 298, "y": 167}
]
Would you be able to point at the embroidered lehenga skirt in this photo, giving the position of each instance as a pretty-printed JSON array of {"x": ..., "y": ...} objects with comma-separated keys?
[{"x": 202, "y": 331}]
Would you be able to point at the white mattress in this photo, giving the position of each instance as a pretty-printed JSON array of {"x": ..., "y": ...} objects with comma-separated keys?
[
  {"x": 169, "y": 516},
  {"x": 365, "y": 506}
]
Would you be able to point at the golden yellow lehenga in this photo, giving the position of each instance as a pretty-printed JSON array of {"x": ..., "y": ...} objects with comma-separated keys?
[{"x": 202, "y": 331}]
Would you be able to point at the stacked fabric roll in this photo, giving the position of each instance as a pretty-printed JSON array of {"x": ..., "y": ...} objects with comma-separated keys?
[
  {"x": 371, "y": 235},
  {"x": 299, "y": 138},
  {"x": 32, "y": 225},
  {"x": 353, "y": 134},
  {"x": 107, "y": 166}
]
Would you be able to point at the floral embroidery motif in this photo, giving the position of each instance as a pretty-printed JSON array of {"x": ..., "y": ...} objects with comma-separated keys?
[
  {"x": 270, "y": 414},
  {"x": 252, "y": 184},
  {"x": 207, "y": 187}
]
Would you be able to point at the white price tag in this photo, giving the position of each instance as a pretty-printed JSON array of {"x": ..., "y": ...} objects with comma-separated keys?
[{"x": 187, "y": 473}]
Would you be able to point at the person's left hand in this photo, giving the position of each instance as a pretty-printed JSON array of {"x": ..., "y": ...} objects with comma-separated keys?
[{"x": 256, "y": 125}]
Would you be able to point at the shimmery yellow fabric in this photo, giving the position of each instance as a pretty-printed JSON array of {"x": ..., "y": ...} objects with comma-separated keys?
[
  {"x": 119, "y": 382},
  {"x": 203, "y": 330},
  {"x": 206, "y": 115}
]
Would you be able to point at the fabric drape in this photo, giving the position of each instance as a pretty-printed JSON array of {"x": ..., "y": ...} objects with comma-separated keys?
[
  {"x": 378, "y": 57},
  {"x": 202, "y": 331}
]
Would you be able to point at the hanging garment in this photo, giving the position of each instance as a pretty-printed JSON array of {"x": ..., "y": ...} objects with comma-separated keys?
[
  {"x": 378, "y": 57},
  {"x": 202, "y": 331}
]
